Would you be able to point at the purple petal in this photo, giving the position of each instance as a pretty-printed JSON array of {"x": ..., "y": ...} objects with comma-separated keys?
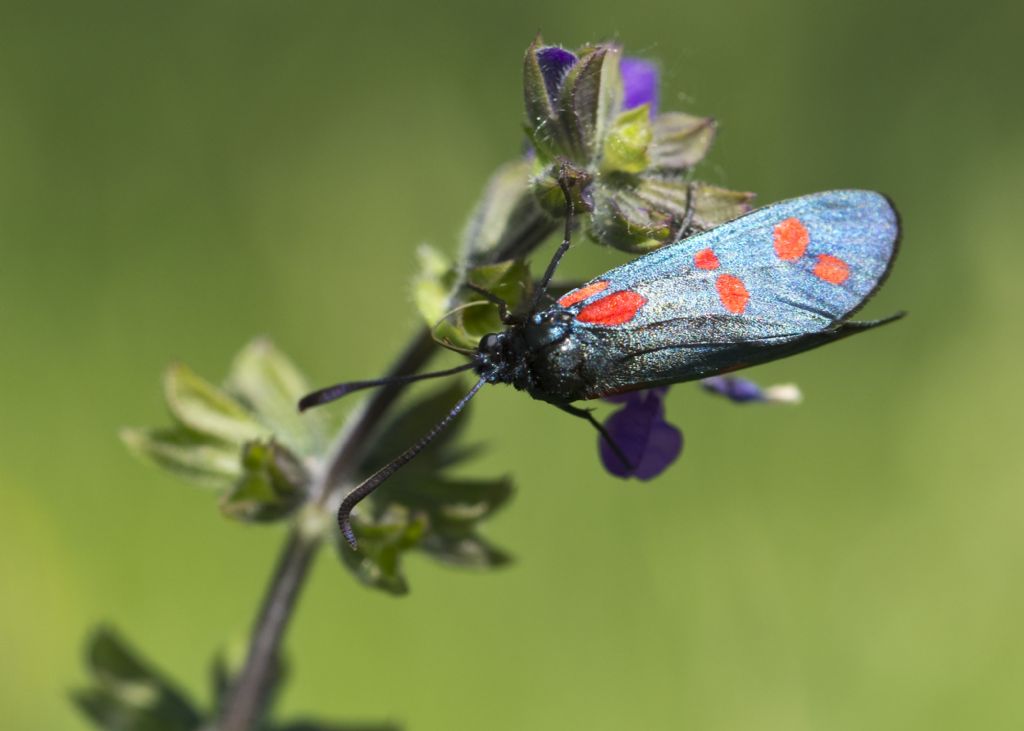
[
  {"x": 741, "y": 390},
  {"x": 554, "y": 64},
  {"x": 648, "y": 441},
  {"x": 639, "y": 83},
  {"x": 734, "y": 388}
]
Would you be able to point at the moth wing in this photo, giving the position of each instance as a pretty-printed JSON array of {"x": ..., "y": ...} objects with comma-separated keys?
[
  {"x": 796, "y": 266},
  {"x": 776, "y": 281}
]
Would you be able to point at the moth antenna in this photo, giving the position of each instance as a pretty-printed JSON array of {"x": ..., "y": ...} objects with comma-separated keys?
[
  {"x": 459, "y": 308},
  {"x": 373, "y": 481},
  {"x": 444, "y": 344},
  {"x": 332, "y": 393}
]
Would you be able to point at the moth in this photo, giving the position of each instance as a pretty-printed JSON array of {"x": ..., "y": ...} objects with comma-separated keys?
[{"x": 775, "y": 282}]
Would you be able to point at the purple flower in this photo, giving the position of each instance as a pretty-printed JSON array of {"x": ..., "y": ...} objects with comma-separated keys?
[
  {"x": 555, "y": 63},
  {"x": 741, "y": 391},
  {"x": 639, "y": 83},
  {"x": 639, "y": 77},
  {"x": 649, "y": 443},
  {"x": 639, "y": 429}
]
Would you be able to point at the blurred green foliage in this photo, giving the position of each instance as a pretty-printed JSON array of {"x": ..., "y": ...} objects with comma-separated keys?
[
  {"x": 248, "y": 442},
  {"x": 175, "y": 179},
  {"x": 129, "y": 693}
]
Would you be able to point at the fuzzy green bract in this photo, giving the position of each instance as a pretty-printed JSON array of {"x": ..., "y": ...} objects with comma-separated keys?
[
  {"x": 633, "y": 165},
  {"x": 243, "y": 439}
]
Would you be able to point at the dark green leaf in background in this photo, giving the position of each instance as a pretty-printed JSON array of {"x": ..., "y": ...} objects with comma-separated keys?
[
  {"x": 329, "y": 726},
  {"x": 421, "y": 507},
  {"x": 382, "y": 541},
  {"x": 272, "y": 486},
  {"x": 128, "y": 694}
]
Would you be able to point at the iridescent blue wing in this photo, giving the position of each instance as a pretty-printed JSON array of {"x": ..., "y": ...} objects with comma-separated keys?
[{"x": 774, "y": 282}]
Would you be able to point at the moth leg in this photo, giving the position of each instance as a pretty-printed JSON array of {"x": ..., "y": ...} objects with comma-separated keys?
[
  {"x": 563, "y": 286},
  {"x": 503, "y": 309},
  {"x": 587, "y": 415},
  {"x": 567, "y": 176},
  {"x": 691, "y": 209}
]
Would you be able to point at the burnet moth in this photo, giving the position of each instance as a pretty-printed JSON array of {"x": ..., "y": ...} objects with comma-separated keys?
[{"x": 775, "y": 282}]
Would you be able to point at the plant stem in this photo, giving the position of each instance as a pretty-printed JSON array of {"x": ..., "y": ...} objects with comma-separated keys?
[
  {"x": 247, "y": 701},
  {"x": 344, "y": 458},
  {"x": 253, "y": 687}
]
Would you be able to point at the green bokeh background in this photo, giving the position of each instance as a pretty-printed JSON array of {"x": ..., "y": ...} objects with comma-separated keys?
[{"x": 178, "y": 177}]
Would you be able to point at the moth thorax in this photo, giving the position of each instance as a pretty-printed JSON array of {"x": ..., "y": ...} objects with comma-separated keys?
[{"x": 546, "y": 328}]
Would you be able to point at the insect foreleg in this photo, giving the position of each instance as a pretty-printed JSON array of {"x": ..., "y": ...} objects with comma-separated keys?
[
  {"x": 587, "y": 415},
  {"x": 502, "y": 305},
  {"x": 567, "y": 176}
]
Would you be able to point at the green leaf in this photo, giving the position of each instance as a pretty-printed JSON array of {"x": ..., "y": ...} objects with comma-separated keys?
[
  {"x": 680, "y": 141},
  {"x": 509, "y": 280},
  {"x": 432, "y": 286},
  {"x": 625, "y": 145},
  {"x": 506, "y": 214},
  {"x": 273, "y": 485},
  {"x": 578, "y": 105},
  {"x": 547, "y": 190},
  {"x": 206, "y": 409},
  {"x": 624, "y": 219},
  {"x": 382, "y": 542},
  {"x": 464, "y": 549},
  {"x": 475, "y": 316},
  {"x": 270, "y": 384},
  {"x": 642, "y": 213},
  {"x": 129, "y": 695},
  {"x": 199, "y": 460},
  {"x": 453, "y": 501},
  {"x": 223, "y": 670},
  {"x": 540, "y": 114},
  {"x": 714, "y": 206},
  {"x": 328, "y": 726},
  {"x": 454, "y": 509},
  {"x": 419, "y": 507},
  {"x": 609, "y": 102}
]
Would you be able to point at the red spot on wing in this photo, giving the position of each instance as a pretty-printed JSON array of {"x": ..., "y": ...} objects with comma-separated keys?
[
  {"x": 615, "y": 309},
  {"x": 791, "y": 239},
  {"x": 732, "y": 292},
  {"x": 578, "y": 295},
  {"x": 832, "y": 269},
  {"x": 705, "y": 259}
]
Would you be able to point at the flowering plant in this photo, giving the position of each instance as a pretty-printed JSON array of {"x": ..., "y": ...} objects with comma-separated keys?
[
  {"x": 598, "y": 112},
  {"x": 594, "y": 130}
]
